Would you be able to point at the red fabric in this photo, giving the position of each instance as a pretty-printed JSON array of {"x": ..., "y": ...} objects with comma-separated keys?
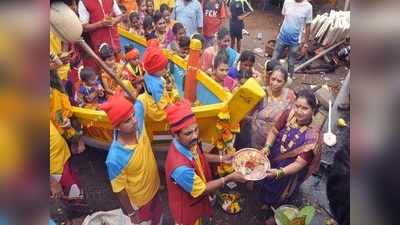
[
  {"x": 118, "y": 108},
  {"x": 184, "y": 208},
  {"x": 178, "y": 115},
  {"x": 153, "y": 58},
  {"x": 132, "y": 54},
  {"x": 105, "y": 34},
  {"x": 68, "y": 178},
  {"x": 151, "y": 211},
  {"x": 213, "y": 17},
  {"x": 307, "y": 156}
]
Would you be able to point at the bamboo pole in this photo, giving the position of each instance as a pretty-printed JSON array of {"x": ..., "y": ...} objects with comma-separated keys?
[{"x": 110, "y": 72}]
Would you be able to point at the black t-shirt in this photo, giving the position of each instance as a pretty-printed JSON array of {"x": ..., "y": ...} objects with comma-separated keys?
[{"x": 238, "y": 7}]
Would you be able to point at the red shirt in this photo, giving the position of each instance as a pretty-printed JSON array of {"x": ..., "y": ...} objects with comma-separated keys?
[{"x": 214, "y": 14}]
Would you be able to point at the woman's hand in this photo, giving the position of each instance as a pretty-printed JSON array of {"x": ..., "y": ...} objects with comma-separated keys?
[
  {"x": 271, "y": 173},
  {"x": 266, "y": 151}
]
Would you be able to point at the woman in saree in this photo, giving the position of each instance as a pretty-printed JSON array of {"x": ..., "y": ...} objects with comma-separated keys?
[
  {"x": 265, "y": 114},
  {"x": 292, "y": 146},
  {"x": 278, "y": 99}
]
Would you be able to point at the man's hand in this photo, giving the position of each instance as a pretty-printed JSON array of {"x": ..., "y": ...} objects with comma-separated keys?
[
  {"x": 135, "y": 219},
  {"x": 237, "y": 176},
  {"x": 55, "y": 189},
  {"x": 107, "y": 23},
  {"x": 227, "y": 158},
  {"x": 241, "y": 17},
  {"x": 66, "y": 124}
]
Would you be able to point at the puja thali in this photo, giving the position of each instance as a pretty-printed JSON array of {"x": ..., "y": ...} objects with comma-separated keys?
[{"x": 252, "y": 163}]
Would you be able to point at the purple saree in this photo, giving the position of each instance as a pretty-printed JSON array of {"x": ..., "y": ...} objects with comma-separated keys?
[{"x": 291, "y": 142}]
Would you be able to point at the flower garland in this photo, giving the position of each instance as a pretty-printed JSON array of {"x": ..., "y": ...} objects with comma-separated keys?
[{"x": 225, "y": 138}]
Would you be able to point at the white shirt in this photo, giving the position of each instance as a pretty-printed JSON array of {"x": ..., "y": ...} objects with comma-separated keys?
[
  {"x": 84, "y": 13},
  {"x": 297, "y": 14}
]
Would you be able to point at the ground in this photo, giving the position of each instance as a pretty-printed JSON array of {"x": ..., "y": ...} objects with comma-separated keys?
[{"x": 91, "y": 168}]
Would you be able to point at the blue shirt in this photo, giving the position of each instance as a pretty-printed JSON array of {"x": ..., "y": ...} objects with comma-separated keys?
[{"x": 190, "y": 14}]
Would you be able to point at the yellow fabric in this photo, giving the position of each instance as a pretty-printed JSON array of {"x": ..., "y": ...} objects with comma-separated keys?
[
  {"x": 60, "y": 108},
  {"x": 170, "y": 3},
  {"x": 140, "y": 177},
  {"x": 199, "y": 186},
  {"x": 59, "y": 151},
  {"x": 199, "y": 183},
  {"x": 153, "y": 110},
  {"x": 108, "y": 80},
  {"x": 56, "y": 48}
]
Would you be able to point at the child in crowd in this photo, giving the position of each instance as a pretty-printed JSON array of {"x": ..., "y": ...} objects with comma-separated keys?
[
  {"x": 160, "y": 28},
  {"x": 149, "y": 8},
  {"x": 130, "y": 5},
  {"x": 148, "y": 28},
  {"x": 125, "y": 24},
  {"x": 135, "y": 24},
  {"x": 61, "y": 115},
  {"x": 142, "y": 11},
  {"x": 177, "y": 72},
  {"x": 178, "y": 31},
  {"x": 91, "y": 93},
  {"x": 245, "y": 68},
  {"x": 214, "y": 15},
  {"x": 107, "y": 54},
  {"x": 240, "y": 9},
  {"x": 166, "y": 13},
  {"x": 220, "y": 71},
  {"x": 134, "y": 71}
]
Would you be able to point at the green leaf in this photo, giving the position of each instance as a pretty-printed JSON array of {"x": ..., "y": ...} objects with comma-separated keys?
[
  {"x": 309, "y": 212},
  {"x": 282, "y": 217}
]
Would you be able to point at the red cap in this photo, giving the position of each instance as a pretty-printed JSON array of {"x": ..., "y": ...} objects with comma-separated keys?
[
  {"x": 118, "y": 108},
  {"x": 153, "y": 58},
  {"x": 132, "y": 54},
  {"x": 180, "y": 115}
]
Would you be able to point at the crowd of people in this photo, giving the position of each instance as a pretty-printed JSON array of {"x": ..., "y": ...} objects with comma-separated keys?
[{"x": 281, "y": 125}]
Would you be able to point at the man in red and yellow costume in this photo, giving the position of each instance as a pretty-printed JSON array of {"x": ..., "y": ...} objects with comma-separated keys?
[{"x": 188, "y": 174}]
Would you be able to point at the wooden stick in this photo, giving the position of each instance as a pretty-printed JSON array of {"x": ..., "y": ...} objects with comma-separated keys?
[
  {"x": 89, "y": 50},
  {"x": 318, "y": 56}
]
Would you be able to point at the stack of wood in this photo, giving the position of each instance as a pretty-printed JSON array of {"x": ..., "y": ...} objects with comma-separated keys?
[{"x": 328, "y": 29}]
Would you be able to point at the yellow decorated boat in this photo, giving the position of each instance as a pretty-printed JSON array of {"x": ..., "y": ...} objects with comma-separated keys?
[{"x": 213, "y": 100}]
